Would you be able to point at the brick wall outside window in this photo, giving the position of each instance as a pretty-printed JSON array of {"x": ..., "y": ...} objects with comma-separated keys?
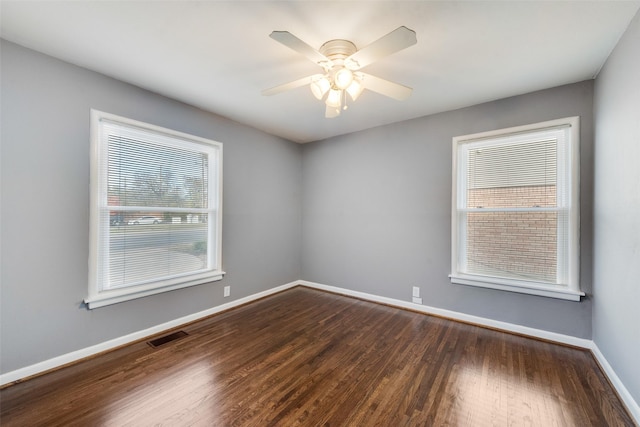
[{"x": 518, "y": 245}]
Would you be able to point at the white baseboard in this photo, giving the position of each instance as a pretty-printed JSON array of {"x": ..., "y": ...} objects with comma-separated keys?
[
  {"x": 496, "y": 324},
  {"x": 64, "y": 359},
  {"x": 632, "y": 405},
  {"x": 74, "y": 356}
]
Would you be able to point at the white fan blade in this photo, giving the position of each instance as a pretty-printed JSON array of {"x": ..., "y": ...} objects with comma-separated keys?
[
  {"x": 331, "y": 112},
  {"x": 385, "y": 87},
  {"x": 291, "y": 85},
  {"x": 292, "y": 42},
  {"x": 396, "y": 40}
]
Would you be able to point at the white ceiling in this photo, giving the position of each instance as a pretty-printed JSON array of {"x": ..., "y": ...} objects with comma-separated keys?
[{"x": 217, "y": 55}]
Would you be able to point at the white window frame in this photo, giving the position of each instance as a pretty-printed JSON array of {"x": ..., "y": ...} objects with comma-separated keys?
[
  {"x": 99, "y": 222},
  {"x": 567, "y": 291}
]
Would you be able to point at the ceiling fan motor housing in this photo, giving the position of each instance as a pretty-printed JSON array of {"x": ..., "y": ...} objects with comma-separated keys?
[{"x": 337, "y": 50}]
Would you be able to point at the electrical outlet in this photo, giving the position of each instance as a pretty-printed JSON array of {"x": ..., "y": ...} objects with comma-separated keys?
[
  {"x": 416, "y": 292},
  {"x": 417, "y": 300},
  {"x": 227, "y": 291}
]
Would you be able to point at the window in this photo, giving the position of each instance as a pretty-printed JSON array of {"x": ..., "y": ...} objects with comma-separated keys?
[
  {"x": 515, "y": 210},
  {"x": 155, "y": 210}
]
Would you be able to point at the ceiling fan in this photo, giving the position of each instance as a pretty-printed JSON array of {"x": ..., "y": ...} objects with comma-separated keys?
[{"x": 341, "y": 62}]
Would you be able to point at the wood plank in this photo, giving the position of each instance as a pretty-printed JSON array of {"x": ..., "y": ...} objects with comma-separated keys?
[{"x": 306, "y": 357}]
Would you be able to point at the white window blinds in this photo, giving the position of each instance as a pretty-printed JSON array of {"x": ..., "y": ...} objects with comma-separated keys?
[{"x": 156, "y": 208}]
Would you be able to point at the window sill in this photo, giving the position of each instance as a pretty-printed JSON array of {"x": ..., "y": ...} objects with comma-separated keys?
[
  {"x": 522, "y": 287},
  {"x": 120, "y": 295}
]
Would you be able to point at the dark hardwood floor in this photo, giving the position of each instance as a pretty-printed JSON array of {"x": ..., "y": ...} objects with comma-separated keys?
[{"x": 310, "y": 358}]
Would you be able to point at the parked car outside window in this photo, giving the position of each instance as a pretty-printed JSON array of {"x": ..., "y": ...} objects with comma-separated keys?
[{"x": 145, "y": 220}]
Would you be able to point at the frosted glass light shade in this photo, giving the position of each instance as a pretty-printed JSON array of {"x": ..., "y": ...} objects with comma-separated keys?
[
  {"x": 355, "y": 89},
  {"x": 343, "y": 78},
  {"x": 320, "y": 87},
  {"x": 334, "y": 99}
]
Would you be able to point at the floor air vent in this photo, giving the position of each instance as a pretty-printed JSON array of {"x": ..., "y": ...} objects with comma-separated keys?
[{"x": 167, "y": 338}]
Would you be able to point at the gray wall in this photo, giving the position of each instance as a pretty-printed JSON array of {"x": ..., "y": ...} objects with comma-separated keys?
[
  {"x": 616, "y": 270},
  {"x": 45, "y": 208},
  {"x": 377, "y": 206}
]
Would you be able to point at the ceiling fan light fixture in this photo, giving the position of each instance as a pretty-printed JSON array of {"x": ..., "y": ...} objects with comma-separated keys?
[
  {"x": 334, "y": 99},
  {"x": 355, "y": 89},
  {"x": 320, "y": 87},
  {"x": 343, "y": 78}
]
